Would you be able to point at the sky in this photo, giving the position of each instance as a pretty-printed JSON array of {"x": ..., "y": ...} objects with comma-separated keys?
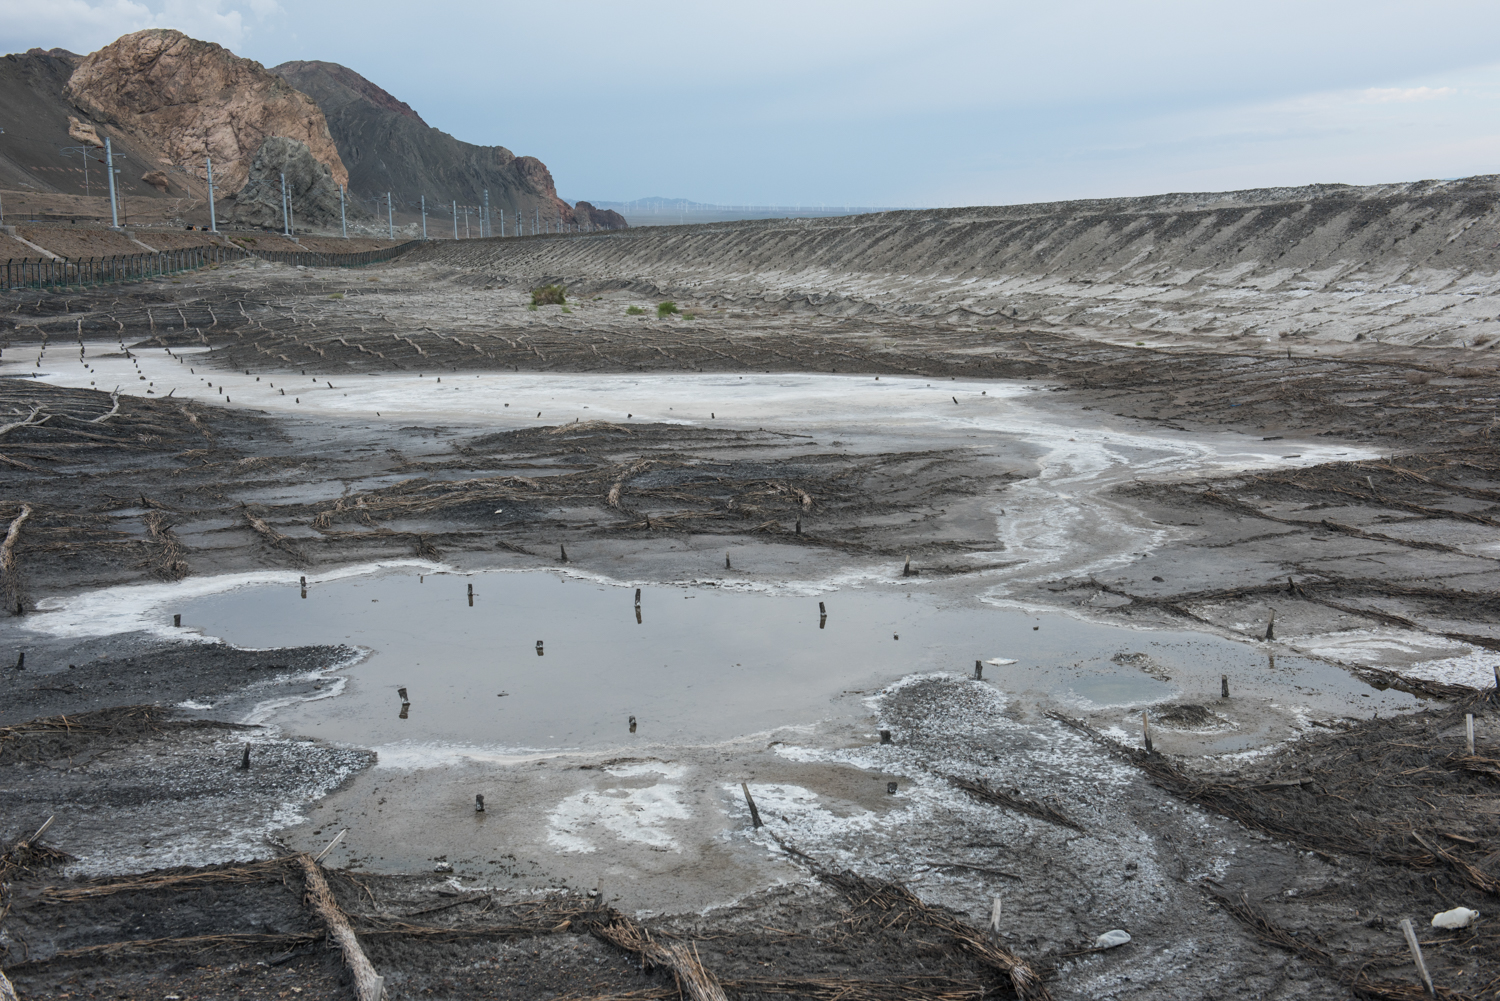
[{"x": 875, "y": 103}]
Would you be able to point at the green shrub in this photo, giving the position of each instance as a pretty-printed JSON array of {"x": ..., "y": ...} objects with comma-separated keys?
[
  {"x": 565, "y": 309},
  {"x": 665, "y": 309},
  {"x": 635, "y": 311},
  {"x": 337, "y": 295},
  {"x": 548, "y": 295},
  {"x": 688, "y": 316},
  {"x": 532, "y": 307}
]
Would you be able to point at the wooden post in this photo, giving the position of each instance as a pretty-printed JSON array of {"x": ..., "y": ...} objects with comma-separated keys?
[
  {"x": 1416, "y": 954},
  {"x": 564, "y": 551},
  {"x": 726, "y": 561},
  {"x": 799, "y": 526},
  {"x": 995, "y": 908},
  {"x": 402, "y": 692},
  {"x": 1271, "y": 626},
  {"x": 885, "y": 736},
  {"x": 368, "y": 986},
  {"x": 177, "y": 621},
  {"x": 471, "y": 595},
  {"x": 21, "y": 661},
  {"x": 637, "y": 597},
  {"x": 479, "y": 802},
  {"x": 1146, "y": 729},
  {"x": 245, "y": 761},
  {"x": 890, "y": 788},
  {"x": 979, "y": 670},
  {"x": 906, "y": 570},
  {"x": 632, "y": 724},
  {"x": 1469, "y": 732},
  {"x": 539, "y": 648},
  {"x": 1223, "y": 686},
  {"x": 754, "y": 813},
  {"x": 822, "y": 608}
]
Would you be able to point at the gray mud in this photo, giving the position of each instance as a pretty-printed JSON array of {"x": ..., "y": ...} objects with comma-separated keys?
[{"x": 1235, "y": 874}]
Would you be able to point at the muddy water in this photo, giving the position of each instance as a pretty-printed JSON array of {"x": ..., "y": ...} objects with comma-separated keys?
[{"x": 701, "y": 665}]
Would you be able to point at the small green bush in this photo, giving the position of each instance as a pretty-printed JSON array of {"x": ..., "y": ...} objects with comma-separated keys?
[
  {"x": 337, "y": 295},
  {"x": 549, "y": 295},
  {"x": 688, "y": 316},
  {"x": 565, "y": 309},
  {"x": 665, "y": 309},
  {"x": 532, "y": 307},
  {"x": 635, "y": 311}
]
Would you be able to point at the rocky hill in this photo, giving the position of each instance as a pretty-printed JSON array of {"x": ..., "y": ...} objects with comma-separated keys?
[
  {"x": 168, "y": 101},
  {"x": 197, "y": 99},
  {"x": 389, "y": 148}
]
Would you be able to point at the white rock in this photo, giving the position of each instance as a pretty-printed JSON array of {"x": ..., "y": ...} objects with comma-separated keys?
[
  {"x": 443, "y": 867},
  {"x": 1459, "y": 917},
  {"x": 1000, "y": 661},
  {"x": 1110, "y": 939}
]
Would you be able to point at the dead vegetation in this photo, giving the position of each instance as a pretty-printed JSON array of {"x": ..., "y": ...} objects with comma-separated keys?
[
  {"x": 1402, "y": 799},
  {"x": 876, "y": 914}
]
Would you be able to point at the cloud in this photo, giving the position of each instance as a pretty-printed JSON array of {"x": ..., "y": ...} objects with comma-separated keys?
[
  {"x": 1384, "y": 95},
  {"x": 87, "y": 25}
]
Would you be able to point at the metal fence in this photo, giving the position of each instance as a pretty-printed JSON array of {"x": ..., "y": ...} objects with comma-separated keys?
[
  {"x": 41, "y": 274},
  {"x": 313, "y": 259}
]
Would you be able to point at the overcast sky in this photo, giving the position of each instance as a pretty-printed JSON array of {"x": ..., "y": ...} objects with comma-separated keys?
[{"x": 943, "y": 102}]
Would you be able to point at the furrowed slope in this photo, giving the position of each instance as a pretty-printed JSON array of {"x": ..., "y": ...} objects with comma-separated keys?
[{"x": 1408, "y": 263}]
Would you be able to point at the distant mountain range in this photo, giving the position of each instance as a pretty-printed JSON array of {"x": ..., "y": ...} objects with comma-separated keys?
[{"x": 681, "y": 211}]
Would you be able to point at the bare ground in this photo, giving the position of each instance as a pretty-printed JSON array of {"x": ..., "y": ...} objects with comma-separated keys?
[{"x": 1281, "y": 876}]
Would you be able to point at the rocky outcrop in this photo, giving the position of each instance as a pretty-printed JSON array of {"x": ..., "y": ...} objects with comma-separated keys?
[
  {"x": 84, "y": 132},
  {"x": 588, "y": 217},
  {"x": 387, "y": 147},
  {"x": 193, "y": 98},
  {"x": 309, "y": 185}
]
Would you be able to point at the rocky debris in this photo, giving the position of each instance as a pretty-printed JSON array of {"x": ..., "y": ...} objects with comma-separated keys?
[
  {"x": 585, "y": 215},
  {"x": 84, "y": 132},
  {"x": 310, "y": 188},
  {"x": 193, "y": 98},
  {"x": 157, "y": 179},
  {"x": 388, "y": 147}
]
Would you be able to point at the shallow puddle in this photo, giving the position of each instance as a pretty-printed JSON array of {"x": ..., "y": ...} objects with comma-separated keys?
[{"x": 543, "y": 660}]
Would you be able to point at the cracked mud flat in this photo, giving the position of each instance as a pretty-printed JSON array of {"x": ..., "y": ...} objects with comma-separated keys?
[{"x": 1197, "y": 481}]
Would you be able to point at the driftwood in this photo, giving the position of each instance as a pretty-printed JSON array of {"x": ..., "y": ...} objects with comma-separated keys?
[
  {"x": 898, "y": 906},
  {"x": 981, "y": 791},
  {"x": 696, "y": 981},
  {"x": 368, "y": 985},
  {"x": 8, "y": 575}
]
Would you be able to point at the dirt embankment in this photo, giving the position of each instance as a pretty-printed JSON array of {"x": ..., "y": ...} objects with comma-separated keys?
[{"x": 1403, "y": 263}]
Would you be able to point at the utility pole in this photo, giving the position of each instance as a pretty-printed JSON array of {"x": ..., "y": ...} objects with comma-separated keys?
[
  {"x": 487, "y": 221},
  {"x": 502, "y": 222},
  {"x": 343, "y": 219},
  {"x": 286, "y": 223},
  {"x": 424, "y": 217},
  {"x": 466, "y": 222},
  {"x": 213, "y": 222},
  {"x": 390, "y": 215},
  {"x": 109, "y": 167},
  {"x": 455, "y": 219}
]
